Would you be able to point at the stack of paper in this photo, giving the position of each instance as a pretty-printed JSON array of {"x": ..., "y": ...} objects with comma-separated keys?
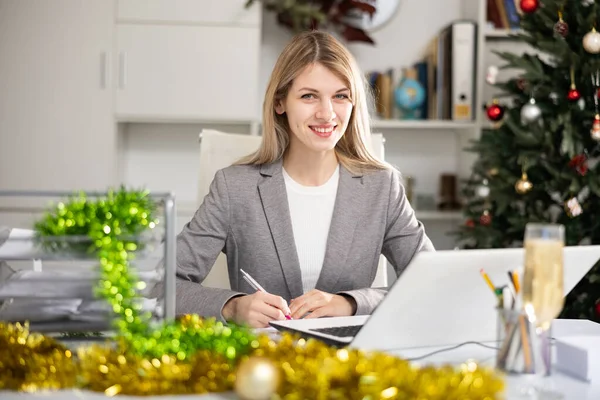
[
  {"x": 579, "y": 356},
  {"x": 578, "y": 351}
]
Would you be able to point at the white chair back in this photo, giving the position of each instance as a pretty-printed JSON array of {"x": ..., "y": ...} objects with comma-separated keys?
[{"x": 219, "y": 150}]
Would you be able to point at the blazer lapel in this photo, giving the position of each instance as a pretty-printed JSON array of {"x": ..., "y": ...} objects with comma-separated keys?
[
  {"x": 273, "y": 196},
  {"x": 349, "y": 200}
]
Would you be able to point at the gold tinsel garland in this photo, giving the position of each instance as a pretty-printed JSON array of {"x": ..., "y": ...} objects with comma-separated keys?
[
  {"x": 31, "y": 362},
  {"x": 309, "y": 369},
  {"x": 194, "y": 355}
]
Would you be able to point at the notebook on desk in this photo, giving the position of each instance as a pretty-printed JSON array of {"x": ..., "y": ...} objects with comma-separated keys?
[{"x": 440, "y": 299}]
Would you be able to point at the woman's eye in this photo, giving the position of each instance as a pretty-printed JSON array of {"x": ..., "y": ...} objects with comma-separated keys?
[
  {"x": 341, "y": 96},
  {"x": 308, "y": 96}
]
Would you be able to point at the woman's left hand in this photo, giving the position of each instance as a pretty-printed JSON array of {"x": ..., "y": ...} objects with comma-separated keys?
[{"x": 322, "y": 304}]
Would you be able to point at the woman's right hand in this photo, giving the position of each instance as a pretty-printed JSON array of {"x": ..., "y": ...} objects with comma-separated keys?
[{"x": 256, "y": 310}]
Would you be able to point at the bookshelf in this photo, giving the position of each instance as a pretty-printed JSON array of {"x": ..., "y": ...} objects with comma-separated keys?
[
  {"x": 500, "y": 34},
  {"x": 488, "y": 39},
  {"x": 492, "y": 34},
  {"x": 421, "y": 124},
  {"x": 439, "y": 215}
]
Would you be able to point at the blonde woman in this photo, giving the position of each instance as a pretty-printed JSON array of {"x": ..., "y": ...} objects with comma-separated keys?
[{"x": 308, "y": 214}]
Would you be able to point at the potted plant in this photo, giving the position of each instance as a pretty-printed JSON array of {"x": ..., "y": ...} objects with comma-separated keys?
[{"x": 338, "y": 15}]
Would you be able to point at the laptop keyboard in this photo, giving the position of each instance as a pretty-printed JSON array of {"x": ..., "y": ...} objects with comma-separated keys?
[{"x": 340, "y": 331}]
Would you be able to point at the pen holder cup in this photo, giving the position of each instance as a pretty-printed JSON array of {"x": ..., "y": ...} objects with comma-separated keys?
[{"x": 524, "y": 348}]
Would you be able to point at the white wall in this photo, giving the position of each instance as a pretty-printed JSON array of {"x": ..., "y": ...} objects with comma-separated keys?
[{"x": 164, "y": 156}]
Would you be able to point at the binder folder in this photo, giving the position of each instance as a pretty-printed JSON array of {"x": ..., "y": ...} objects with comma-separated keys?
[{"x": 457, "y": 86}]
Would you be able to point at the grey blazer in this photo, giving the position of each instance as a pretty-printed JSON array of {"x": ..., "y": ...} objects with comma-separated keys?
[{"x": 246, "y": 215}]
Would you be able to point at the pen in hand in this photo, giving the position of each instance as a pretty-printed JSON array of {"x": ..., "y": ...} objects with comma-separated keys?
[{"x": 256, "y": 286}]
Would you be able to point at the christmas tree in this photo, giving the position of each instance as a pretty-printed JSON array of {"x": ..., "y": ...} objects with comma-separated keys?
[{"x": 538, "y": 160}]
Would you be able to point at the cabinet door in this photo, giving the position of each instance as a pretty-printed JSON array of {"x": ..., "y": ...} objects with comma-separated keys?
[
  {"x": 206, "y": 73},
  {"x": 229, "y": 12},
  {"x": 56, "y": 118}
]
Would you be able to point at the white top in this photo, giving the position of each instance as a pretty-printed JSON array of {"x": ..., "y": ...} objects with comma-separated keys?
[{"x": 311, "y": 208}]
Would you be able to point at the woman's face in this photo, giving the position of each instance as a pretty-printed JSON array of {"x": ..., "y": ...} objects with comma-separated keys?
[{"x": 318, "y": 108}]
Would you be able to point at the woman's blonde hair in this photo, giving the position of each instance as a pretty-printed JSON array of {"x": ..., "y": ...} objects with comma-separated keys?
[{"x": 303, "y": 50}]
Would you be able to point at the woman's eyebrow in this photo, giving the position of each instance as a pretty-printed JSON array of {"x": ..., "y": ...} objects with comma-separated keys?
[{"x": 316, "y": 91}]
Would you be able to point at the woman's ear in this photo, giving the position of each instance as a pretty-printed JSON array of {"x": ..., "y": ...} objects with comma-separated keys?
[{"x": 279, "y": 109}]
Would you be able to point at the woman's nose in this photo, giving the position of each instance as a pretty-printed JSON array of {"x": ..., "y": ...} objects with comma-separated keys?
[{"x": 326, "y": 111}]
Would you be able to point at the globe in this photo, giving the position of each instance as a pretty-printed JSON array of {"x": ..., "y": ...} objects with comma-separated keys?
[{"x": 409, "y": 95}]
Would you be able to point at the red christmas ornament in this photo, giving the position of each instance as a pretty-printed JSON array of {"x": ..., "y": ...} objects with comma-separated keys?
[
  {"x": 597, "y": 307},
  {"x": 573, "y": 94},
  {"x": 529, "y": 6},
  {"x": 579, "y": 163},
  {"x": 470, "y": 223},
  {"x": 561, "y": 28},
  {"x": 485, "y": 219},
  {"x": 598, "y": 93},
  {"x": 521, "y": 83},
  {"x": 495, "y": 112}
]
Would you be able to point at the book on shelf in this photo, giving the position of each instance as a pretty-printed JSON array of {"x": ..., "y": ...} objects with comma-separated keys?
[
  {"x": 455, "y": 72},
  {"x": 504, "y": 14},
  {"x": 421, "y": 68}
]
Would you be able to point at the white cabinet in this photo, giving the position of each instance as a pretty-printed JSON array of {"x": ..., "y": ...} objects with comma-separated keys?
[
  {"x": 228, "y": 12},
  {"x": 57, "y": 126},
  {"x": 70, "y": 70},
  {"x": 187, "y": 60},
  {"x": 187, "y": 72}
]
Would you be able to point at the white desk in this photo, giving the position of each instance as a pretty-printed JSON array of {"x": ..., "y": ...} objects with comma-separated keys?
[{"x": 571, "y": 388}]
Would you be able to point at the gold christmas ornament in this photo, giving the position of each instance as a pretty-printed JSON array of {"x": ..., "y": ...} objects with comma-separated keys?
[
  {"x": 523, "y": 185},
  {"x": 257, "y": 379}
]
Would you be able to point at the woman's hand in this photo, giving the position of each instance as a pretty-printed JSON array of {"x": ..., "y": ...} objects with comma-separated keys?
[
  {"x": 322, "y": 304},
  {"x": 256, "y": 310}
]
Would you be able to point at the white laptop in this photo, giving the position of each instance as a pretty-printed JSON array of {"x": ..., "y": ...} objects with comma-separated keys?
[{"x": 439, "y": 300}]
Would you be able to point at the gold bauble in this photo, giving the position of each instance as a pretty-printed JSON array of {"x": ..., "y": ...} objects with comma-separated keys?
[
  {"x": 493, "y": 171},
  {"x": 257, "y": 379},
  {"x": 523, "y": 185}
]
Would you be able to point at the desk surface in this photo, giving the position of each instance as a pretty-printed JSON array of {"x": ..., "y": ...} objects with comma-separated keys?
[{"x": 571, "y": 388}]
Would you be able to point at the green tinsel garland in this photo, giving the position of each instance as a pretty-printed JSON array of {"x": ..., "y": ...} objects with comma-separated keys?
[{"x": 110, "y": 228}]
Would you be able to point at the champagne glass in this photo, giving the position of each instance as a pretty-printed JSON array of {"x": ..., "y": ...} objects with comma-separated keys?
[
  {"x": 543, "y": 295},
  {"x": 543, "y": 292}
]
